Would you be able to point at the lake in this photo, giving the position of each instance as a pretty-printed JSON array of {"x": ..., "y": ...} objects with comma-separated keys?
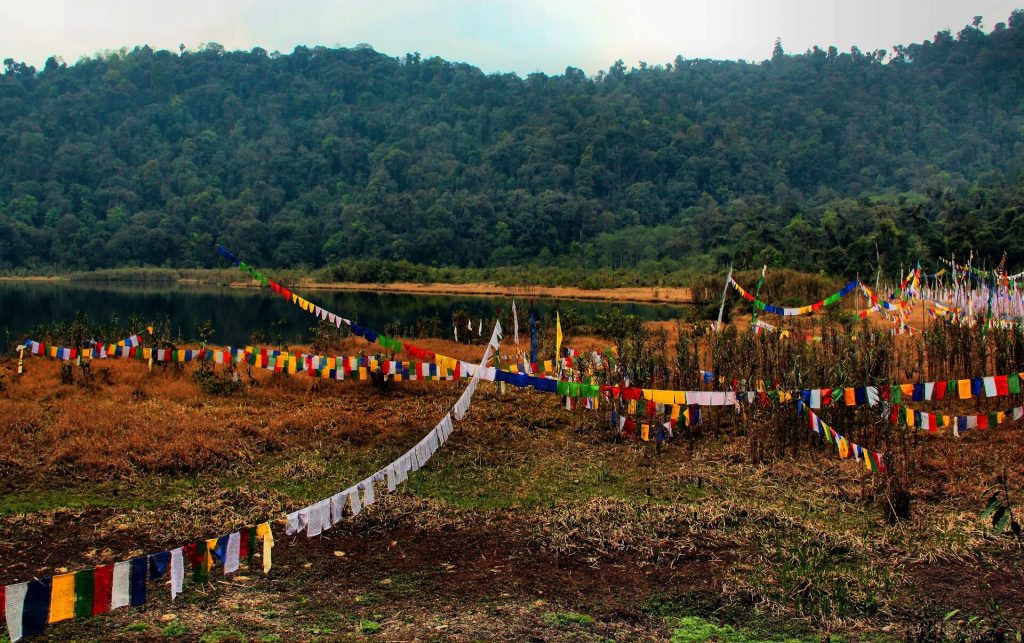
[{"x": 237, "y": 313}]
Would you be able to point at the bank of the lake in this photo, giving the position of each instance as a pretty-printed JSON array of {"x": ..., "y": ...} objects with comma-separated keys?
[{"x": 242, "y": 314}]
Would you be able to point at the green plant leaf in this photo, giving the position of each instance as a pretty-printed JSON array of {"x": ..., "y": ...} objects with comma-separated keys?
[
  {"x": 1000, "y": 521},
  {"x": 950, "y": 615},
  {"x": 993, "y": 504}
]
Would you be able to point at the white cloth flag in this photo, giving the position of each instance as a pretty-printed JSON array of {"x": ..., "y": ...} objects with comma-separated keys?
[
  {"x": 232, "y": 554},
  {"x": 177, "y": 572},
  {"x": 392, "y": 478},
  {"x": 297, "y": 521},
  {"x": 369, "y": 492},
  {"x": 338, "y": 506},
  {"x": 14, "y": 605},
  {"x": 319, "y": 518},
  {"x": 119, "y": 592},
  {"x": 353, "y": 499}
]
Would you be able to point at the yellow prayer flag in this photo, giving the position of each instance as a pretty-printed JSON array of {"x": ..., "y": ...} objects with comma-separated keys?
[
  {"x": 362, "y": 372},
  {"x": 849, "y": 396},
  {"x": 665, "y": 397},
  {"x": 645, "y": 432},
  {"x": 147, "y": 353},
  {"x": 62, "y": 598},
  {"x": 211, "y": 544},
  {"x": 675, "y": 412},
  {"x": 680, "y": 397},
  {"x": 964, "y": 389},
  {"x": 844, "y": 449},
  {"x": 263, "y": 533}
]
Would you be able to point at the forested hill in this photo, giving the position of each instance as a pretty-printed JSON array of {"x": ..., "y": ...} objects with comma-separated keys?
[{"x": 323, "y": 155}]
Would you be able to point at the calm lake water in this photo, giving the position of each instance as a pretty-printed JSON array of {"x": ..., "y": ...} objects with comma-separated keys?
[{"x": 236, "y": 313}]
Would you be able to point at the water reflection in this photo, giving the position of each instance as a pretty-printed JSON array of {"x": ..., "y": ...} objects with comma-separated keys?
[{"x": 236, "y": 313}]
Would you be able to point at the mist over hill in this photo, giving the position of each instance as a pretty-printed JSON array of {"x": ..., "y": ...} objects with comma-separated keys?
[{"x": 821, "y": 161}]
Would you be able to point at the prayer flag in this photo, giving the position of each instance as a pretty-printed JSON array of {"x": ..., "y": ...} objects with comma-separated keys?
[
  {"x": 103, "y": 585},
  {"x": 120, "y": 590},
  {"x": 177, "y": 572},
  {"x": 35, "y": 612},
  {"x": 85, "y": 588},
  {"x": 62, "y": 598}
]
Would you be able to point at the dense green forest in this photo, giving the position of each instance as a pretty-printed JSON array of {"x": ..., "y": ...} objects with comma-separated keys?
[{"x": 821, "y": 161}]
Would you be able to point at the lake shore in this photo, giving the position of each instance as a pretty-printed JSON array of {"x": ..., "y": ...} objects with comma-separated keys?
[
  {"x": 635, "y": 294},
  {"x": 649, "y": 295}
]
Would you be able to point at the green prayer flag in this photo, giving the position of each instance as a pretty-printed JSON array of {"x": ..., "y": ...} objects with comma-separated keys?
[
  {"x": 85, "y": 589},
  {"x": 252, "y": 543},
  {"x": 1013, "y": 383},
  {"x": 562, "y": 388},
  {"x": 897, "y": 394},
  {"x": 201, "y": 572}
]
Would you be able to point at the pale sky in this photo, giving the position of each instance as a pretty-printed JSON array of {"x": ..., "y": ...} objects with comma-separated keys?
[{"x": 496, "y": 35}]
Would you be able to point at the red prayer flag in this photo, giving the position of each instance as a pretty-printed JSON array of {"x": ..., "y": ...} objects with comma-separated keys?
[
  {"x": 103, "y": 582},
  {"x": 1002, "y": 386},
  {"x": 826, "y": 396}
]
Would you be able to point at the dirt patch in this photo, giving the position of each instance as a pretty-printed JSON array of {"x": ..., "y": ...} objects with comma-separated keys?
[{"x": 983, "y": 588}]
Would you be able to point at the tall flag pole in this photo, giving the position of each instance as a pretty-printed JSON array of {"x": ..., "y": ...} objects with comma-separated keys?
[
  {"x": 515, "y": 323},
  {"x": 757, "y": 294},
  {"x": 558, "y": 341},
  {"x": 533, "y": 338},
  {"x": 725, "y": 291}
]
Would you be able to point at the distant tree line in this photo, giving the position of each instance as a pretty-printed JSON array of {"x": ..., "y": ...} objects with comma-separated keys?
[{"x": 822, "y": 161}]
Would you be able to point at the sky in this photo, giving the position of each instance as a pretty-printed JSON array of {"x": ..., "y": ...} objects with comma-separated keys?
[{"x": 522, "y": 36}]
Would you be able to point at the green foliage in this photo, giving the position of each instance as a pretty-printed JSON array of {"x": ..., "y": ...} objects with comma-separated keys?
[
  {"x": 324, "y": 156},
  {"x": 369, "y": 627},
  {"x": 694, "y": 629},
  {"x": 999, "y": 510},
  {"x": 174, "y": 629},
  {"x": 568, "y": 618}
]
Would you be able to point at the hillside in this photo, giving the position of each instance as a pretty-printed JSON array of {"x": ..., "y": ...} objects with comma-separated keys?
[{"x": 815, "y": 161}]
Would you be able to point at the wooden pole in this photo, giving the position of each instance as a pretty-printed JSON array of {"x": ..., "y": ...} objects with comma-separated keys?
[{"x": 725, "y": 291}]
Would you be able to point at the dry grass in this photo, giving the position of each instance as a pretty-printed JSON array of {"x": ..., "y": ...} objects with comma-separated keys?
[{"x": 747, "y": 508}]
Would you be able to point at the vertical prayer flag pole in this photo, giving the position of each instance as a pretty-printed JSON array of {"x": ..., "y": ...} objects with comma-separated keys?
[
  {"x": 21, "y": 359},
  {"x": 533, "y": 336},
  {"x": 725, "y": 291},
  {"x": 558, "y": 342},
  {"x": 515, "y": 323},
  {"x": 757, "y": 293}
]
